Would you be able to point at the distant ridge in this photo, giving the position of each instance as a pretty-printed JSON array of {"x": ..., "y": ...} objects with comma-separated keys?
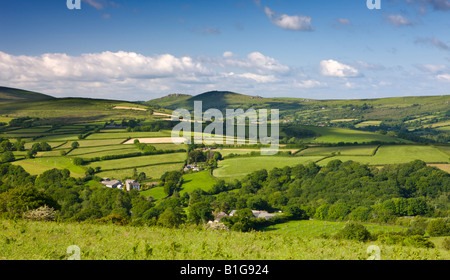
[
  {"x": 211, "y": 99},
  {"x": 14, "y": 94}
]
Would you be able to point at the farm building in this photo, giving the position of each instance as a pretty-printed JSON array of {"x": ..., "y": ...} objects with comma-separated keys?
[
  {"x": 258, "y": 214},
  {"x": 192, "y": 167},
  {"x": 132, "y": 185},
  {"x": 113, "y": 184}
]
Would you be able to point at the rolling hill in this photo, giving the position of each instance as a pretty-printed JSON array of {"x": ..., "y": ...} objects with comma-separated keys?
[
  {"x": 396, "y": 108},
  {"x": 17, "y": 103},
  {"x": 12, "y": 94}
]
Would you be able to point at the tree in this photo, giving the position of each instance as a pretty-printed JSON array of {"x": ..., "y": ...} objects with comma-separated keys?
[
  {"x": 172, "y": 217},
  {"x": 295, "y": 212},
  {"x": 31, "y": 154},
  {"x": 78, "y": 161},
  {"x": 171, "y": 182},
  {"x": 196, "y": 156},
  {"x": 20, "y": 200},
  {"x": 75, "y": 145},
  {"x": 200, "y": 212},
  {"x": 7, "y": 156}
]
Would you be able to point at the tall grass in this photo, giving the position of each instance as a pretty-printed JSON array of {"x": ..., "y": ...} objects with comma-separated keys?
[{"x": 26, "y": 240}]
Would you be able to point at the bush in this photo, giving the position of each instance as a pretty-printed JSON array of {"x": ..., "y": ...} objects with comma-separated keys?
[
  {"x": 438, "y": 227},
  {"x": 354, "y": 231},
  {"x": 446, "y": 244},
  {"x": 113, "y": 219},
  {"x": 43, "y": 213},
  {"x": 405, "y": 239}
]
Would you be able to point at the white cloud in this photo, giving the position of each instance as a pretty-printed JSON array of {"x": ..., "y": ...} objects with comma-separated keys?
[
  {"x": 443, "y": 77},
  {"x": 133, "y": 76},
  {"x": 227, "y": 54},
  {"x": 398, "y": 20},
  {"x": 334, "y": 68},
  {"x": 309, "y": 84},
  {"x": 295, "y": 22},
  {"x": 257, "y": 78},
  {"x": 256, "y": 61}
]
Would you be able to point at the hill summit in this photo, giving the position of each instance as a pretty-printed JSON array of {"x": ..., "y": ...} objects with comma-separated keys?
[
  {"x": 14, "y": 94},
  {"x": 211, "y": 99}
]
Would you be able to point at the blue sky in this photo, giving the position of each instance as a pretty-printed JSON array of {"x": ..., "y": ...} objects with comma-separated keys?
[{"x": 139, "y": 50}]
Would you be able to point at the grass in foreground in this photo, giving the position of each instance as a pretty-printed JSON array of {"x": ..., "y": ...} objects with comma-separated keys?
[{"x": 24, "y": 240}]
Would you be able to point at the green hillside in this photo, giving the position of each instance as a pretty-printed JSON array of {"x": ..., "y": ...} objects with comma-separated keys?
[{"x": 12, "y": 94}]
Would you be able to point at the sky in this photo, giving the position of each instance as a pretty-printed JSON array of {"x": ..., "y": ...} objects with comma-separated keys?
[{"x": 140, "y": 50}]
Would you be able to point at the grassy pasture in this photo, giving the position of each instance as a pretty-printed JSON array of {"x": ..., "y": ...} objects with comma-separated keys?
[
  {"x": 336, "y": 135},
  {"x": 444, "y": 128},
  {"x": 198, "y": 180},
  {"x": 156, "y": 193},
  {"x": 38, "y": 166},
  {"x": 360, "y": 150},
  {"x": 153, "y": 171},
  {"x": 142, "y": 161},
  {"x": 98, "y": 143},
  {"x": 125, "y": 135},
  {"x": 103, "y": 151},
  {"x": 395, "y": 154},
  {"x": 237, "y": 168},
  {"x": 368, "y": 123}
]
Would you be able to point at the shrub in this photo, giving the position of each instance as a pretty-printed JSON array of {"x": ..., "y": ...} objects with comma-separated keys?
[
  {"x": 438, "y": 227},
  {"x": 446, "y": 243},
  {"x": 43, "y": 213},
  {"x": 354, "y": 231},
  {"x": 113, "y": 219}
]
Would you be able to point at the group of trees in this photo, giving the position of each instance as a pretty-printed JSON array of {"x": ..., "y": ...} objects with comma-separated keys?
[
  {"x": 73, "y": 200},
  {"x": 7, "y": 147}
]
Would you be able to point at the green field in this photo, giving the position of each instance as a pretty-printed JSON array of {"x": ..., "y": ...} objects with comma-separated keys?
[
  {"x": 397, "y": 154},
  {"x": 152, "y": 171},
  {"x": 336, "y": 135},
  {"x": 197, "y": 180},
  {"x": 142, "y": 161},
  {"x": 125, "y": 135},
  {"x": 368, "y": 123},
  {"x": 236, "y": 168},
  {"x": 156, "y": 193},
  {"x": 37, "y": 166},
  {"x": 360, "y": 150}
]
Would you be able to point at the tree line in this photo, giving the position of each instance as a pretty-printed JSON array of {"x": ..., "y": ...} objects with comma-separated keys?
[{"x": 339, "y": 191}]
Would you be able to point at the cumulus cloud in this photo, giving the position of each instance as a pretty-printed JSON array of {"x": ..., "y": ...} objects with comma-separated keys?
[
  {"x": 256, "y": 61},
  {"x": 444, "y": 77},
  {"x": 398, "y": 20},
  {"x": 333, "y": 68},
  {"x": 116, "y": 74},
  {"x": 105, "y": 65},
  {"x": 294, "y": 22},
  {"x": 309, "y": 84}
]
